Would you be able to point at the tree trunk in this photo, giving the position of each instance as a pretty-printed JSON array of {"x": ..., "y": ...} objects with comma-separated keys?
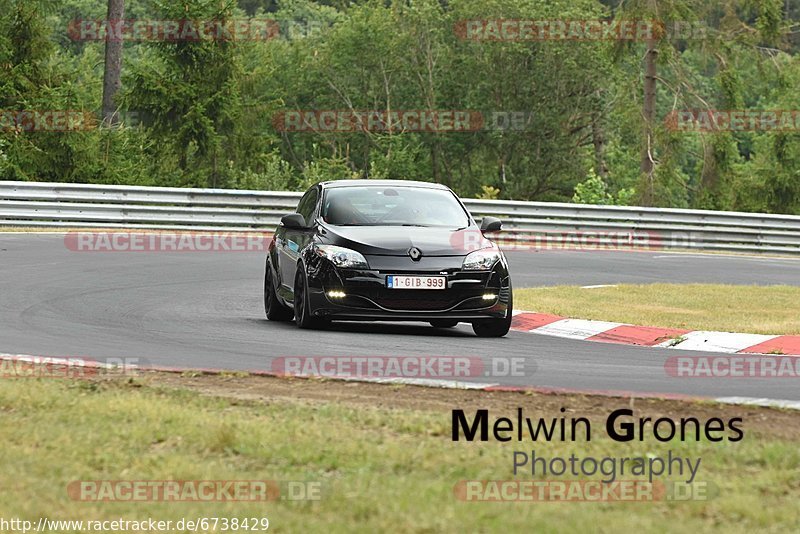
[
  {"x": 113, "y": 67},
  {"x": 649, "y": 115},
  {"x": 599, "y": 143}
]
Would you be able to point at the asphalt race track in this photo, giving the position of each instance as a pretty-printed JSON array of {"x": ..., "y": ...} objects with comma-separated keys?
[{"x": 205, "y": 310}]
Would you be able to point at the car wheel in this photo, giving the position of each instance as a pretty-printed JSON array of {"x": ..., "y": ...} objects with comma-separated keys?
[
  {"x": 443, "y": 323},
  {"x": 302, "y": 311},
  {"x": 496, "y": 327},
  {"x": 273, "y": 307}
]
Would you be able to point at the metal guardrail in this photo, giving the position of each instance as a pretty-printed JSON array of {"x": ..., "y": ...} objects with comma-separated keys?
[{"x": 537, "y": 224}]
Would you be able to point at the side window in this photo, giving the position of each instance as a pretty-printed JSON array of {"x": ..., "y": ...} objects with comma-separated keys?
[{"x": 307, "y": 205}]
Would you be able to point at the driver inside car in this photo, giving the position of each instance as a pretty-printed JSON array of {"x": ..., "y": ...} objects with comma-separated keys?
[{"x": 341, "y": 211}]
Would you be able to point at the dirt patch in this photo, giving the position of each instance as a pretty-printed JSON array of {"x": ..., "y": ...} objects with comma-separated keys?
[{"x": 767, "y": 422}]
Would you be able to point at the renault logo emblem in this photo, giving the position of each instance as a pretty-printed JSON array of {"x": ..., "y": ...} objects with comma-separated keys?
[{"x": 415, "y": 253}]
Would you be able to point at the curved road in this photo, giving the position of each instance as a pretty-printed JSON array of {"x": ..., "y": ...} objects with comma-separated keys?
[{"x": 205, "y": 310}]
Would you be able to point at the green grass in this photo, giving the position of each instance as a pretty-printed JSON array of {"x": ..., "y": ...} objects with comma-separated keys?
[
  {"x": 751, "y": 309},
  {"x": 382, "y": 470}
]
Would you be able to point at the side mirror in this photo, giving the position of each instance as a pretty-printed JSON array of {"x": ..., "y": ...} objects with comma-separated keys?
[
  {"x": 294, "y": 221},
  {"x": 491, "y": 224}
]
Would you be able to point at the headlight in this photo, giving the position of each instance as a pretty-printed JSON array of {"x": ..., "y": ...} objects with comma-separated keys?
[
  {"x": 342, "y": 257},
  {"x": 481, "y": 260}
]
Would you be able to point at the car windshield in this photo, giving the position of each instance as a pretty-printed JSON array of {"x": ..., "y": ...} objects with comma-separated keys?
[{"x": 393, "y": 206}]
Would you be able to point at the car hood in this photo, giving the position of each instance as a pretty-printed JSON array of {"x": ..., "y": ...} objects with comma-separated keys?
[{"x": 397, "y": 240}]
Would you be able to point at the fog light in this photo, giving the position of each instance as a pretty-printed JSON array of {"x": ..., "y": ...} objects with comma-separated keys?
[
  {"x": 336, "y": 294},
  {"x": 489, "y": 296}
]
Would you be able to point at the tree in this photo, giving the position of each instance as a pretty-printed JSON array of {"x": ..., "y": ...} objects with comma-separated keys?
[
  {"x": 188, "y": 94},
  {"x": 113, "y": 63},
  {"x": 649, "y": 113}
]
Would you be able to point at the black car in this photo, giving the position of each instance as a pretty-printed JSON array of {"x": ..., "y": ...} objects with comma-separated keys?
[{"x": 387, "y": 250}]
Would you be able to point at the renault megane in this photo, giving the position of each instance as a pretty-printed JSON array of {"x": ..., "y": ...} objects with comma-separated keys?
[{"x": 387, "y": 250}]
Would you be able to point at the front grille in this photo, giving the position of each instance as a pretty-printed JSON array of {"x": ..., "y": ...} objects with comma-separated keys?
[{"x": 428, "y": 300}]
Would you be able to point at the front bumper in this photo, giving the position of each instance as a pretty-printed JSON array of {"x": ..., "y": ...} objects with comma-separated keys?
[{"x": 367, "y": 296}]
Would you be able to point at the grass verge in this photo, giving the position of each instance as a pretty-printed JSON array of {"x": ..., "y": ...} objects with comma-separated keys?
[
  {"x": 731, "y": 308},
  {"x": 382, "y": 454}
]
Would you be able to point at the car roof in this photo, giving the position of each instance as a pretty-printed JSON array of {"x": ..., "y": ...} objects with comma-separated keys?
[{"x": 381, "y": 183}]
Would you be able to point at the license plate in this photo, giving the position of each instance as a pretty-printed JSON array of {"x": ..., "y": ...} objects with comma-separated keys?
[{"x": 416, "y": 282}]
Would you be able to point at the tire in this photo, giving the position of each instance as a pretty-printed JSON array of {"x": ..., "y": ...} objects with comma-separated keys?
[
  {"x": 302, "y": 317},
  {"x": 443, "y": 323},
  {"x": 273, "y": 307},
  {"x": 496, "y": 327}
]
